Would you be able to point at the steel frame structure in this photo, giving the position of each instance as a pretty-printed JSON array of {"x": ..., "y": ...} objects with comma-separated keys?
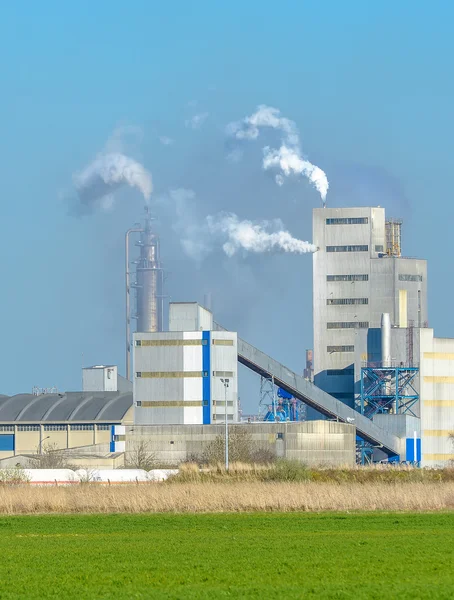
[{"x": 386, "y": 390}]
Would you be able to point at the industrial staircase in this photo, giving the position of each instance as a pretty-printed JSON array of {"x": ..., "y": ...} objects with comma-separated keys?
[{"x": 307, "y": 392}]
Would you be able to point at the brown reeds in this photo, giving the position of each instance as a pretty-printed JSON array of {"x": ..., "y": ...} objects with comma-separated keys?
[{"x": 227, "y": 497}]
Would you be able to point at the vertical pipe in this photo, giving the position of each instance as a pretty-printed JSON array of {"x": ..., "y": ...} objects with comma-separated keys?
[
  {"x": 385, "y": 340},
  {"x": 128, "y": 301},
  {"x": 226, "y": 429}
]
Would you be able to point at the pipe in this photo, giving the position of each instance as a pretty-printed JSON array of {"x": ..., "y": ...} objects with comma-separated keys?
[
  {"x": 128, "y": 300},
  {"x": 385, "y": 340}
]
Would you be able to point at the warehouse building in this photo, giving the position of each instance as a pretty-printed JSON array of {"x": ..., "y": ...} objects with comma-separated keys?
[{"x": 29, "y": 423}]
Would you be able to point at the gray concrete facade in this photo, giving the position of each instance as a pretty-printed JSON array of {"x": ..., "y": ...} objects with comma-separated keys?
[
  {"x": 354, "y": 282},
  {"x": 313, "y": 443}
]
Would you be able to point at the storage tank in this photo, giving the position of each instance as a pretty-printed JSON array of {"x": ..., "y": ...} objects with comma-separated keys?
[
  {"x": 51, "y": 476},
  {"x": 161, "y": 474},
  {"x": 112, "y": 475}
]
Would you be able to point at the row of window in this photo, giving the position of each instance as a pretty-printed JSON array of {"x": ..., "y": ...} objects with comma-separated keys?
[
  {"x": 348, "y": 325},
  {"x": 198, "y": 342},
  {"x": 180, "y": 403},
  {"x": 332, "y": 349},
  {"x": 339, "y": 301},
  {"x": 403, "y": 277},
  {"x": 56, "y": 427},
  {"x": 348, "y": 221},
  {"x": 354, "y": 248},
  {"x": 336, "y": 372},
  {"x": 347, "y": 278},
  {"x": 173, "y": 374}
]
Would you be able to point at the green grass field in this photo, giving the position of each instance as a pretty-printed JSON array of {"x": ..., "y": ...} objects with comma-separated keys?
[{"x": 257, "y": 555}]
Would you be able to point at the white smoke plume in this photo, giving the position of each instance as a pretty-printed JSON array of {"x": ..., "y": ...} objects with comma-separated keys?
[
  {"x": 255, "y": 237},
  {"x": 109, "y": 172},
  {"x": 287, "y": 159}
]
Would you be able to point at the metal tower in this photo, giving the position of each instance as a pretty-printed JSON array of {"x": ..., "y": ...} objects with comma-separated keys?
[
  {"x": 149, "y": 279},
  {"x": 387, "y": 390}
]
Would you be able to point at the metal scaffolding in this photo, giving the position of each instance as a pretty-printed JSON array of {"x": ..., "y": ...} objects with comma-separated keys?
[
  {"x": 281, "y": 406},
  {"x": 388, "y": 390}
]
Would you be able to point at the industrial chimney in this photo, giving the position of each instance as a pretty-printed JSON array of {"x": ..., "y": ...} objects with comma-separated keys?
[
  {"x": 149, "y": 281},
  {"x": 148, "y": 285}
]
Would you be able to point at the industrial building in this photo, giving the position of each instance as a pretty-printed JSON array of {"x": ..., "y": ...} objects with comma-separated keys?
[
  {"x": 359, "y": 273},
  {"x": 377, "y": 374},
  {"x": 187, "y": 375},
  {"x": 30, "y": 423}
]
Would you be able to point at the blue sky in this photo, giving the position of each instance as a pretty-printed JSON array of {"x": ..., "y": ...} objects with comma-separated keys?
[{"x": 369, "y": 85}]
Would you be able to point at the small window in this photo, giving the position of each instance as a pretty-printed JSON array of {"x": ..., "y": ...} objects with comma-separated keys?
[
  {"x": 54, "y": 427},
  {"x": 339, "y": 372},
  {"x": 28, "y": 427},
  {"x": 347, "y": 277},
  {"x": 205, "y": 373},
  {"x": 139, "y": 403},
  {"x": 378, "y": 248},
  {"x": 342, "y": 301},
  {"x": 138, "y": 342},
  {"x": 356, "y": 248},
  {"x": 205, "y": 403},
  {"x": 138, "y": 374},
  {"x": 348, "y": 221},
  {"x": 104, "y": 427},
  {"x": 332, "y": 349},
  {"x": 204, "y": 342},
  {"x": 403, "y": 277},
  {"x": 279, "y": 436}
]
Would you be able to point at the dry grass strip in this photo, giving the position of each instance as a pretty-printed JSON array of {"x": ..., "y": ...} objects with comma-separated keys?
[{"x": 227, "y": 497}]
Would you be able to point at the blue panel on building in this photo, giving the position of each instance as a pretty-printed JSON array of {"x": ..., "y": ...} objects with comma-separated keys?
[
  {"x": 410, "y": 450},
  {"x": 112, "y": 438},
  {"x": 7, "y": 442},
  {"x": 283, "y": 394},
  {"x": 206, "y": 380}
]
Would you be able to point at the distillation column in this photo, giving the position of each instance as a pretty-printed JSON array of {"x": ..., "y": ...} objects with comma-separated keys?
[{"x": 149, "y": 282}]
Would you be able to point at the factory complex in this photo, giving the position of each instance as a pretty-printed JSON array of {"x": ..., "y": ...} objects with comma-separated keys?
[{"x": 378, "y": 385}]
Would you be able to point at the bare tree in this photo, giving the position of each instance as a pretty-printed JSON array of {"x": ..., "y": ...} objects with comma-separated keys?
[
  {"x": 242, "y": 448},
  {"x": 50, "y": 456},
  {"x": 141, "y": 456}
]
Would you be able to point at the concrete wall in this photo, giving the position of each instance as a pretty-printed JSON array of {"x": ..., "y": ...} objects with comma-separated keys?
[{"x": 311, "y": 442}]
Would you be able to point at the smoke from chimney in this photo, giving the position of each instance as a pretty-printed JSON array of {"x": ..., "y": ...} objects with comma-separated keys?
[
  {"x": 255, "y": 237},
  {"x": 287, "y": 158},
  {"x": 107, "y": 173}
]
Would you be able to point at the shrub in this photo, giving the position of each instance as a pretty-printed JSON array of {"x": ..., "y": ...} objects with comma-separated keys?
[{"x": 13, "y": 476}]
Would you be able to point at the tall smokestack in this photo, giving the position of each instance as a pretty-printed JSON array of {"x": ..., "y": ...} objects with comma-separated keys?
[
  {"x": 149, "y": 281},
  {"x": 385, "y": 340}
]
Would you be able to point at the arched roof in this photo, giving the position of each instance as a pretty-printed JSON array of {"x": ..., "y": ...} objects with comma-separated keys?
[{"x": 71, "y": 406}]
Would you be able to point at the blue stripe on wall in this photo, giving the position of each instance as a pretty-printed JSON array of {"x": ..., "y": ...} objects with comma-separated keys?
[
  {"x": 112, "y": 442},
  {"x": 410, "y": 450},
  {"x": 7, "y": 443},
  {"x": 206, "y": 380}
]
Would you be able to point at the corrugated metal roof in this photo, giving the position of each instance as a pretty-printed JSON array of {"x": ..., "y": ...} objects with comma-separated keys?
[{"x": 71, "y": 406}]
